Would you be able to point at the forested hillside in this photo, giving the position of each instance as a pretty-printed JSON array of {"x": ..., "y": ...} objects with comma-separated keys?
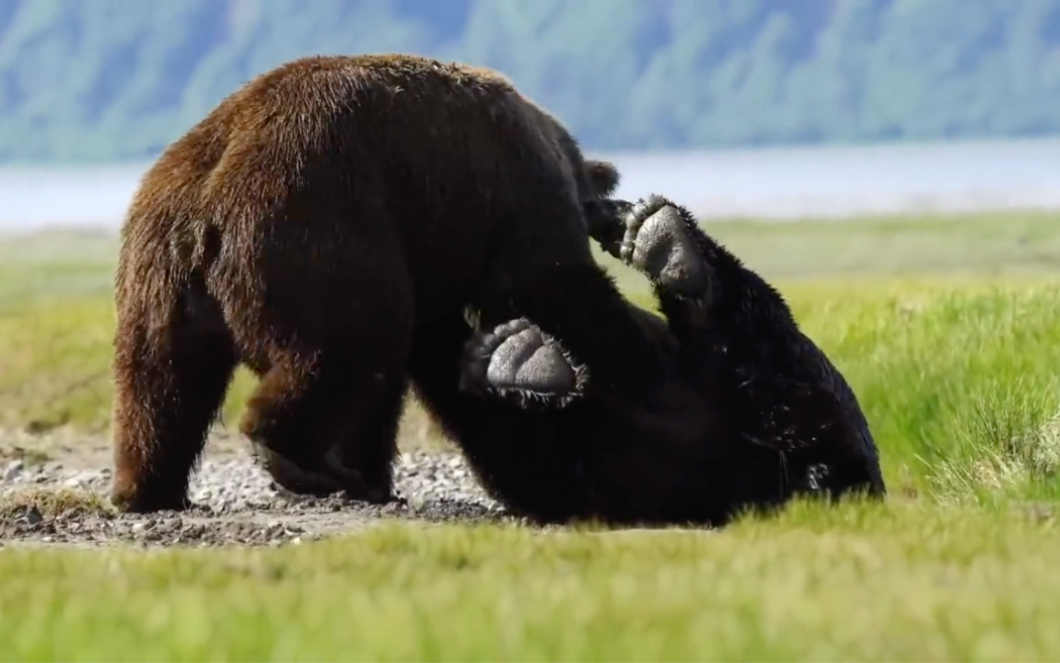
[{"x": 99, "y": 80}]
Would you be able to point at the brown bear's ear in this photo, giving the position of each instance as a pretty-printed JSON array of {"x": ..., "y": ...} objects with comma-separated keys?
[{"x": 603, "y": 175}]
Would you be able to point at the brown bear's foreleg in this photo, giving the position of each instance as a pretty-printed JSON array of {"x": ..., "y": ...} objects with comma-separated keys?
[
  {"x": 371, "y": 447},
  {"x": 170, "y": 381}
]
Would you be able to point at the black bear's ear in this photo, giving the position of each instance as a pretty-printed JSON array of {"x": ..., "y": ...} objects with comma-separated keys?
[{"x": 603, "y": 175}]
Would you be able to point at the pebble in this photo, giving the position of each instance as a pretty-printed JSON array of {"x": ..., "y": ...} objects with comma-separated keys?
[
  {"x": 12, "y": 470},
  {"x": 237, "y": 484},
  {"x": 229, "y": 494},
  {"x": 33, "y": 516}
]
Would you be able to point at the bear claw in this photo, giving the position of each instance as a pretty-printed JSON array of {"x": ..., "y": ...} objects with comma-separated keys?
[
  {"x": 518, "y": 357},
  {"x": 657, "y": 243}
]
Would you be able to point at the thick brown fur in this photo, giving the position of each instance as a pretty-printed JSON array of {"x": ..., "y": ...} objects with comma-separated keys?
[{"x": 315, "y": 227}]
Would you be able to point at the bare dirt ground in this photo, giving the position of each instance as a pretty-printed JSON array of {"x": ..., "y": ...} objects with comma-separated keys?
[{"x": 53, "y": 490}]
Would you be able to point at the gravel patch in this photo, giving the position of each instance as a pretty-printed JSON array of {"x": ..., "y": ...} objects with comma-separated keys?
[{"x": 236, "y": 504}]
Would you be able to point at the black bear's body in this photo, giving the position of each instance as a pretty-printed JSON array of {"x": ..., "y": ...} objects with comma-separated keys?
[{"x": 758, "y": 413}]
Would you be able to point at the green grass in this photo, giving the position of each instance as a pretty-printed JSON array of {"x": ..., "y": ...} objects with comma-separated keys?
[
  {"x": 949, "y": 331},
  {"x": 857, "y": 583}
]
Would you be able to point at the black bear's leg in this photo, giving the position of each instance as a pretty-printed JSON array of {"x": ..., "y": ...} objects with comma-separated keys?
[
  {"x": 581, "y": 306},
  {"x": 516, "y": 361},
  {"x": 170, "y": 382},
  {"x": 522, "y": 457},
  {"x": 659, "y": 242},
  {"x": 548, "y": 274},
  {"x": 663, "y": 241}
]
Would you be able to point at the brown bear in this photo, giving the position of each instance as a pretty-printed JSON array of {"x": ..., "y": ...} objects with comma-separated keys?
[
  {"x": 757, "y": 412},
  {"x": 316, "y": 226}
]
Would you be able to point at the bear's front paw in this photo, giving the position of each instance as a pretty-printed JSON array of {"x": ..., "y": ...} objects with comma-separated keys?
[
  {"x": 658, "y": 243},
  {"x": 132, "y": 500},
  {"x": 518, "y": 361}
]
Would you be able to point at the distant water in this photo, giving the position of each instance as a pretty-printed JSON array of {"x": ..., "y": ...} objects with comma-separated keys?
[{"x": 772, "y": 183}]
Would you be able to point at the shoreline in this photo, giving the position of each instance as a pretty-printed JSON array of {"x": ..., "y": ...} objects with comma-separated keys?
[{"x": 769, "y": 183}]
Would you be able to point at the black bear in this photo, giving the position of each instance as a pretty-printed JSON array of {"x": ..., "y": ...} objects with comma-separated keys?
[
  {"x": 317, "y": 226},
  {"x": 756, "y": 412}
]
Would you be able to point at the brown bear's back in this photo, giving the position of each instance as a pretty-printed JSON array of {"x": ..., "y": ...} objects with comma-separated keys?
[{"x": 427, "y": 159}]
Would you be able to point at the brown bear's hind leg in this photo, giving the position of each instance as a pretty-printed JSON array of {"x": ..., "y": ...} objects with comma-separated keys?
[
  {"x": 289, "y": 477},
  {"x": 310, "y": 405},
  {"x": 371, "y": 453},
  {"x": 169, "y": 384}
]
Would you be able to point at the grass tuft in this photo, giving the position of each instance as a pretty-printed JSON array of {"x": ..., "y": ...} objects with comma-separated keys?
[{"x": 51, "y": 503}]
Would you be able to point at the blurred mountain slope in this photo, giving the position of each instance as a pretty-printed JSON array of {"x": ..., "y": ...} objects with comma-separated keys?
[{"x": 105, "y": 80}]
